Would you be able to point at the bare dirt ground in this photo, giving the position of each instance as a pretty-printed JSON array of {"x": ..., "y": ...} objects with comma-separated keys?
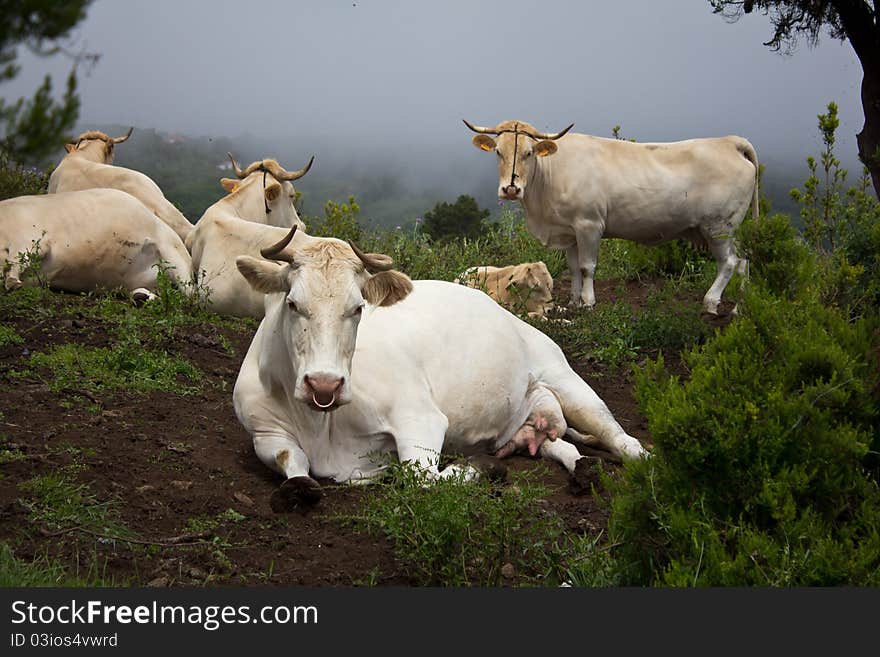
[{"x": 162, "y": 460}]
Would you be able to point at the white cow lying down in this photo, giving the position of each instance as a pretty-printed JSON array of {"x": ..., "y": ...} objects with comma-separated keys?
[
  {"x": 90, "y": 239},
  {"x": 347, "y": 365}
]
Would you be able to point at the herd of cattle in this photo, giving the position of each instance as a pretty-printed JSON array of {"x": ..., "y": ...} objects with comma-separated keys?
[{"x": 353, "y": 359}]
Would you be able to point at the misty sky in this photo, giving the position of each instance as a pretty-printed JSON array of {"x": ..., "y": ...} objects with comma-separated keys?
[{"x": 350, "y": 80}]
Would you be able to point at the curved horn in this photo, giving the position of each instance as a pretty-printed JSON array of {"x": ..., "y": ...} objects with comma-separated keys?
[
  {"x": 294, "y": 175},
  {"x": 547, "y": 135},
  {"x": 481, "y": 130},
  {"x": 372, "y": 261},
  {"x": 272, "y": 252},
  {"x": 119, "y": 140},
  {"x": 238, "y": 172}
]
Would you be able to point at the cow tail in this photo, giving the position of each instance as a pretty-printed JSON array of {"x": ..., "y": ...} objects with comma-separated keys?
[{"x": 749, "y": 153}]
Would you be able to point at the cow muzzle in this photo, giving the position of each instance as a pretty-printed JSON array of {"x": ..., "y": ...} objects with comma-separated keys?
[
  {"x": 323, "y": 390},
  {"x": 511, "y": 192}
]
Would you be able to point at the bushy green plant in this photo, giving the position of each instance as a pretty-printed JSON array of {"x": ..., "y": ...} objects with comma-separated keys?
[
  {"x": 464, "y": 218},
  {"x": 340, "y": 220},
  {"x": 764, "y": 469},
  {"x": 17, "y": 180}
]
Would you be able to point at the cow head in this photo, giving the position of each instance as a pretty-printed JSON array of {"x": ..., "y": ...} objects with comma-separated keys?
[
  {"x": 319, "y": 296},
  {"x": 532, "y": 282},
  {"x": 96, "y": 146},
  {"x": 269, "y": 181},
  {"x": 517, "y": 145}
]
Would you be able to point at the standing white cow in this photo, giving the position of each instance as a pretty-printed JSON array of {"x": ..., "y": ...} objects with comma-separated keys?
[
  {"x": 87, "y": 240},
  {"x": 258, "y": 211},
  {"x": 89, "y": 164},
  {"x": 348, "y": 365},
  {"x": 592, "y": 187}
]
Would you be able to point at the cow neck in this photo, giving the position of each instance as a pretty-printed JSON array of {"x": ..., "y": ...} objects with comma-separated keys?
[
  {"x": 535, "y": 187},
  {"x": 92, "y": 153},
  {"x": 238, "y": 201}
]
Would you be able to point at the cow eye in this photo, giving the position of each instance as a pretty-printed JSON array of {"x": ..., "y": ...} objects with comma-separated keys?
[
  {"x": 292, "y": 305},
  {"x": 357, "y": 311}
]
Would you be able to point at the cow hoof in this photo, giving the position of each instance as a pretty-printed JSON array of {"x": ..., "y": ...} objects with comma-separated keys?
[
  {"x": 140, "y": 296},
  {"x": 584, "y": 476},
  {"x": 488, "y": 466},
  {"x": 296, "y": 493}
]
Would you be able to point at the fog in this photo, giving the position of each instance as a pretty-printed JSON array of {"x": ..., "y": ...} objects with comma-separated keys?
[{"x": 376, "y": 86}]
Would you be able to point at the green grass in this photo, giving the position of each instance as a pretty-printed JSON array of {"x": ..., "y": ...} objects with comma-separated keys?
[
  {"x": 8, "y": 336},
  {"x": 43, "y": 571},
  {"x": 127, "y": 365},
  {"x": 617, "y": 334},
  {"x": 9, "y": 454},
  {"x": 462, "y": 533},
  {"x": 57, "y": 503}
]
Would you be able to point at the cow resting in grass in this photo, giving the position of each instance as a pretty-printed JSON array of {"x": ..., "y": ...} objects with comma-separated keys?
[
  {"x": 87, "y": 240},
  {"x": 527, "y": 287},
  {"x": 577, "y": 189},
  {"x": 257, "y": 211},
  {"x": 89, "y": 165},
  {"x": 353, "y": 361}
]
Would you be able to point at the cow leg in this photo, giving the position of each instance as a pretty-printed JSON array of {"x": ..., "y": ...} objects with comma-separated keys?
[
  {"x": 420, "y": 439},
  {"x": 12, "y": 280},
  {"x": 587, "y": 413},
  {"x": 726, "y": 261},
  {"x": 588, "y": 236},
  {"x": 281, "y": 454},
  {"x": 563, "y": 452},
  {"x": 577, "y": 280}
]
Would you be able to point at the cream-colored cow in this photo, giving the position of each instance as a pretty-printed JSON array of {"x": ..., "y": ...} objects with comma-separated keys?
[
  {"x": 89, "y": 164},
  {"x": 525, "y": 287},
  {"x": 577, "y": 189},
  {"x": 87, "y": 240},
  {"x": 354, "y": 361},
  {"x": 257, "y": 211}
]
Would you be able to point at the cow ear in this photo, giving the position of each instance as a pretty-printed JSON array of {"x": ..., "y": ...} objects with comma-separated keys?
[
  {"x": 545, "y": 147},
  {"x": 484, "y": 142},
  {"x": 262, "y": 275},
  {"x": 69, "y": 147},
  {"x": 272, "y": 192},
  {"x": 229, "y": 184},
  {"x": 387, "y": 288}
]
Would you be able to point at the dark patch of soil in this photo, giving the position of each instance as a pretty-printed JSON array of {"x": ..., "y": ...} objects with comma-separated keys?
[{"x": 165, "y": 460}]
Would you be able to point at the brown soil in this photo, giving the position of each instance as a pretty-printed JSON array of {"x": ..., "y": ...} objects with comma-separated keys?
[{"x": 164, "y": 459}]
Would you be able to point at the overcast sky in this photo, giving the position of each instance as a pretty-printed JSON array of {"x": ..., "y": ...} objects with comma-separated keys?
[{"x": 355, "y": 78}]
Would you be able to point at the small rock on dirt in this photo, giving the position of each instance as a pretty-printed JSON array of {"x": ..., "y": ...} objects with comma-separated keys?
[
  {"x": 244, "y": 499},
  {"x": 181, "y": 485},
  {"x": 508, "y": 571},
  {"x": 159, "y": 582}
]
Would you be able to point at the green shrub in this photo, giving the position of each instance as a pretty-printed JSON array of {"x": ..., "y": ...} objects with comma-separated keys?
[
  {"x": 464, "y": 218},
  {"x": 340, "y": 220},
  {"x": 763, "y": 470},
  {"x": 17, "y": 180}
]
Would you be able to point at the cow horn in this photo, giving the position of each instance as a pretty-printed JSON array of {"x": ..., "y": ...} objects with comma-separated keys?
[
  {"x": 294, "y": 175},
  {"x": 547, "y": 135},
  {"x": 238, "y": 172},
  {"x": 481, "y": 130},
  {"x": 273, "y": 252},
  {"x": 372, "y": 261},
  {"x": 119, "y": 140}
]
